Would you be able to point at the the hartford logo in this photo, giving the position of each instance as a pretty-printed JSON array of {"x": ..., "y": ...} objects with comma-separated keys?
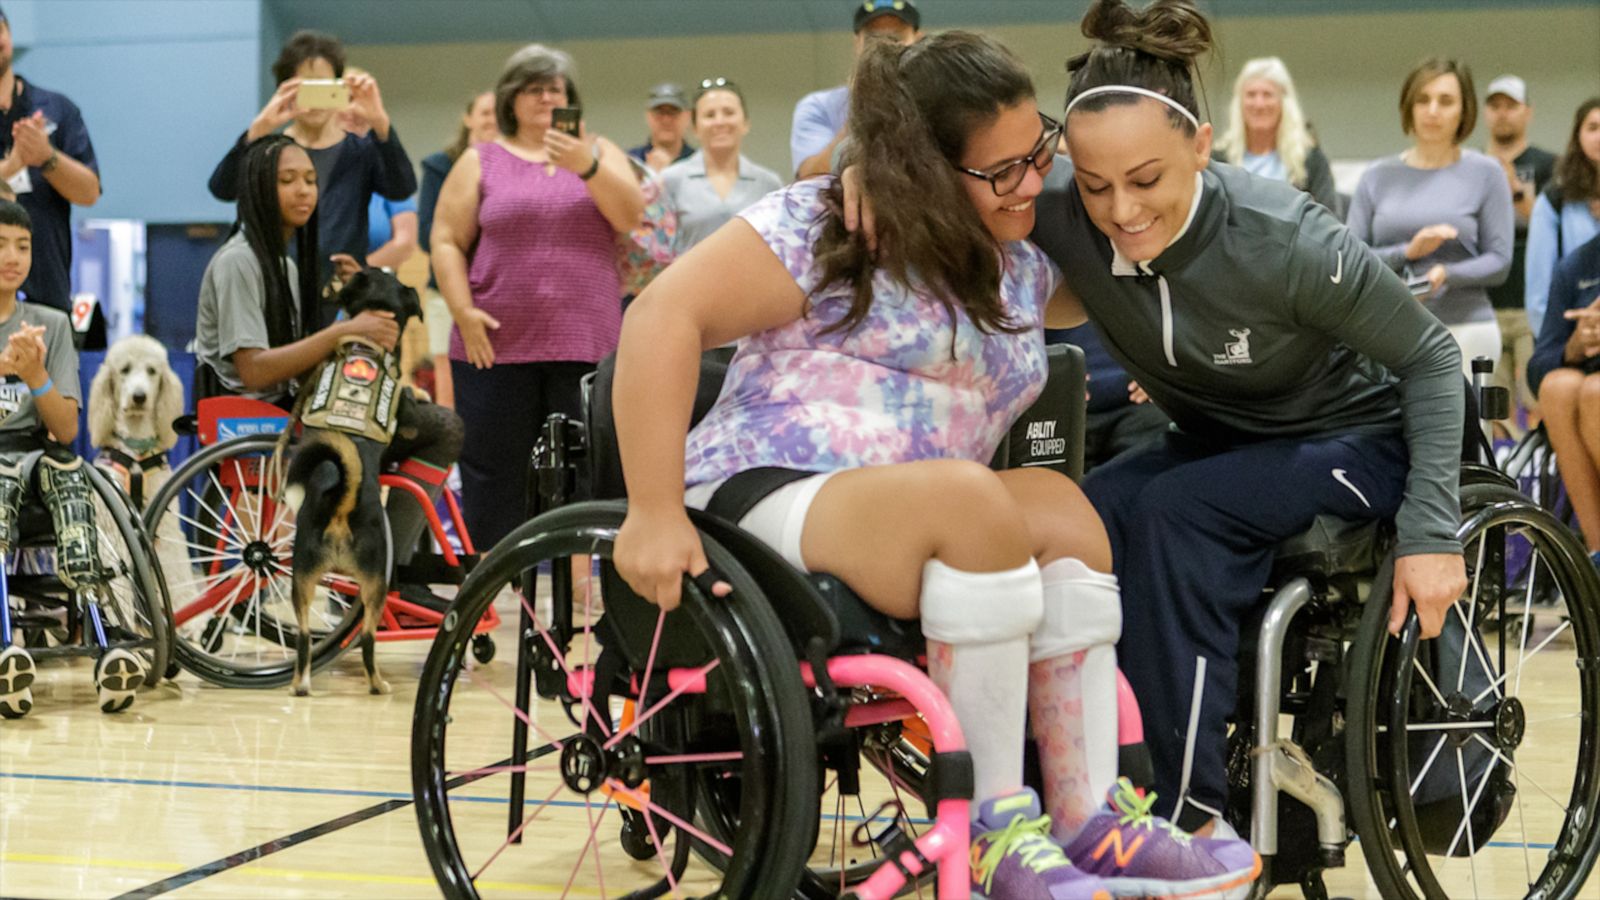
[{"x": 1237, "y": 351}]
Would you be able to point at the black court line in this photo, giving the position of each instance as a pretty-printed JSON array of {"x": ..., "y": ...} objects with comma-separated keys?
[{"x": 295, "y": 839}]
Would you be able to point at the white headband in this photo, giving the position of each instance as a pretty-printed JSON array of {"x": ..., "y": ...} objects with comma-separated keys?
[{"x": 1130, "y": 89}]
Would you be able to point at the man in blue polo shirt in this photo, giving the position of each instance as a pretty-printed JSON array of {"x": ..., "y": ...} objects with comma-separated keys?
[
  {"x": 819, "y": 116},
  {"x": 46, "y": 157}
]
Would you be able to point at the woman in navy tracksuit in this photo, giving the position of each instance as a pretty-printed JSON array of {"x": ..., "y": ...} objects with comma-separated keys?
[
  {"x": 1563, "y": 373},
  {"x": 1301, "y": 376}
]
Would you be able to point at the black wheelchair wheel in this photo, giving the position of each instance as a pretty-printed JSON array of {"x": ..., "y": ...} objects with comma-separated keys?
[
  {"x": 598, "y": 778},
  {"x": 133, "y": 602},
  {"x": 1477, "y": 750},
  {"x": 225, "y": 542}
]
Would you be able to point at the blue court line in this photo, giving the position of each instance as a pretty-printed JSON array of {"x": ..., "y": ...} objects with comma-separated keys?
[{"x": 393, "y": 795}]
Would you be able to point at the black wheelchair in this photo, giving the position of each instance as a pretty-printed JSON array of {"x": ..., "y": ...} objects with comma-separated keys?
[
  {"x": 43, "y": 618},
  {"x": 693, "y": 735}
]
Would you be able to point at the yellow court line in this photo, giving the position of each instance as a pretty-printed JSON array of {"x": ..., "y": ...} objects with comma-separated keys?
[{"x": 286, "y": 874}]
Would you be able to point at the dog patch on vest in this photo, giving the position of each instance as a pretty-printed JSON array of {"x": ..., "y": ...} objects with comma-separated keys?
[{"x": 357, "y": 391}]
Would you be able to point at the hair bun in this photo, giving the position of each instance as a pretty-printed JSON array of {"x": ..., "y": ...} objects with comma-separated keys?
[{"x": 1169, "y": 30}]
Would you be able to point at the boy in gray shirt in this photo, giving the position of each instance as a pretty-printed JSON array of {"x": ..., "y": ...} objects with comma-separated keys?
[{"x": 39, "y": 400}]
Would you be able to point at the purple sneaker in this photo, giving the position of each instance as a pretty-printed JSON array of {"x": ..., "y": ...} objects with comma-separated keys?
[
  {"x": 1013, "y": 857},
  {"x": 1136, "y": 854}
]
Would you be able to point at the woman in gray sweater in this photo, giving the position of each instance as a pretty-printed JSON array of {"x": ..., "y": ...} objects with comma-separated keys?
[{"x": 1438, "y": 213}]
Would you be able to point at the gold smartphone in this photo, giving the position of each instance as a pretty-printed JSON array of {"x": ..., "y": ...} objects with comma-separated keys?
[{"x": 322, "y": 93}]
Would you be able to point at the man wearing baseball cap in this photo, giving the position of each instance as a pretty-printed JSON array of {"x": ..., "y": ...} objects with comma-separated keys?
[
  {"x": 819, "y": 117},
  {"x": 1528, "y": 169},
  {"x": 666, "y": 112}
]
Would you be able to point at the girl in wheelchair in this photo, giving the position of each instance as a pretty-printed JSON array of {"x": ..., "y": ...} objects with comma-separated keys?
[
  {"x": 868, "y": 389},
  {"x": 254, "y": 299},
  {"x": 39, "y": 398}
]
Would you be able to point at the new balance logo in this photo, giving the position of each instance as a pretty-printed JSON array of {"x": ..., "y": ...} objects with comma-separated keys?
[{"x": 1122, "y": 856}]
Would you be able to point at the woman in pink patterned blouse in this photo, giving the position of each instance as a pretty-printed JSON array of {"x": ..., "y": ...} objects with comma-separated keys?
[{"x": 868, "y": 391}]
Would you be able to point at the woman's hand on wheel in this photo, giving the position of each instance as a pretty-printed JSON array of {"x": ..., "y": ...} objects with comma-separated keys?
[
  {"x": 475, "y": 325},
  {"x": 1434, "y": 582},
  {"x": 654, "y": 550}
]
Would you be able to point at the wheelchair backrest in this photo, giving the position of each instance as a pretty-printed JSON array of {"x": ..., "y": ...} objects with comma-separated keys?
[{"x": 1049, "y": 434}]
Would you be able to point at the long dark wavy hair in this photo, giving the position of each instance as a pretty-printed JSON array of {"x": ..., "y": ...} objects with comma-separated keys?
[
  {"x": 1154, "y": 49},
  {"x": 1576, "y": 177},
  {"x": 261, "y": 218},
  {"x": 911, "y": 112}
]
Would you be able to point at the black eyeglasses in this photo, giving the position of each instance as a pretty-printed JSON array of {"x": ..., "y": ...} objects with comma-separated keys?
[{"x": 1007, "y": 176}]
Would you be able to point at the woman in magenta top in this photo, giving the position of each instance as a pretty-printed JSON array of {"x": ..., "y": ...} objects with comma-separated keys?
[{"x": 524, "y": 246}]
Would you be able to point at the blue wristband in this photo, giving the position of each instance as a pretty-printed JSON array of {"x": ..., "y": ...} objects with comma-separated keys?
[{"x": 43, "y": 389}]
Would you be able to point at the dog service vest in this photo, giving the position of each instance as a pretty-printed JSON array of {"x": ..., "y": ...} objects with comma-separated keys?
[{"x": 357, "y": 391}]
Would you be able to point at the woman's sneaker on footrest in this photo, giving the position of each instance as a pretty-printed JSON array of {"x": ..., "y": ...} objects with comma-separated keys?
[
  {"x": 1013, "y": 857},
  {"x": 1137, "y": 854}
]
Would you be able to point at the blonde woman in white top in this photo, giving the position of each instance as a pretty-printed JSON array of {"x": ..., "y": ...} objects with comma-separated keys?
[{"x": 1267, "y": 133}]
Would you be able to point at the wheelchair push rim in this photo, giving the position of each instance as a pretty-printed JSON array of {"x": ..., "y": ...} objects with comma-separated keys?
[
  {"x": 528, "y": 778},
  {"x": 219, "y": 526},
  {"x": 1461, "y": 803}
]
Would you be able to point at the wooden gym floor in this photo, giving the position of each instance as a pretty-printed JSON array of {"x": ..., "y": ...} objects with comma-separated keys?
[{"x": 200, "y": 791}]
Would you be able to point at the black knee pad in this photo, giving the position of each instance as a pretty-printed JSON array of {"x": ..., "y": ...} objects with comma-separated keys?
[{"x": 70, "y": 498}]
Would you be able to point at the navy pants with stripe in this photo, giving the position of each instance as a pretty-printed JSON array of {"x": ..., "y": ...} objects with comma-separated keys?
[{"x": 1193, "y": 532}]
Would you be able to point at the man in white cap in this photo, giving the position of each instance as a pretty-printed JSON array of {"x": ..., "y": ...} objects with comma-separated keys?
[
  {"x": 1528, "y": 168},
  {"x": 819, "y": 117},
  {"x": 666, "y": 112}
]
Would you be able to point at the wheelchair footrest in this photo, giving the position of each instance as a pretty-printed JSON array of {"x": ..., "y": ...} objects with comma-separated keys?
[{"x": 428, "y": 568}]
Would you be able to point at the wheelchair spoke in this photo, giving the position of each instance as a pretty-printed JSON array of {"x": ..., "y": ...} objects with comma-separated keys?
[
  {"x": 1428, "y": 680},
  {"x": 227, "y": 503},
  {"x": 1470, "y": 807},
  {"x": 1519, "y": 773},
  {"x": 229, "y": 542},
  {"x": 655, "y": 841},
  {"x": 688, "y": 758},
  {"x": 526, "y": 719},
  {"x": 560, "y": 658},
  {"x": 512, "y": 837},
  {"x": 698, "y": 677},
  {"x": 1495, "y": 685},
  {"x": 646, "y": 803},
  {"x": 591, "y": 844},
  {"x": 1438, "y": 745},
  {"x": 1522, "y": 823},
  {"x": 1472, "y": 611},
  {"x": 1527, "y": 618}
]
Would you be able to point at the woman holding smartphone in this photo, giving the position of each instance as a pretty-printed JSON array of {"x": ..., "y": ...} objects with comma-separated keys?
[
  {"x": 525, "y": 250},
  {"x": 350, "y": 167}
]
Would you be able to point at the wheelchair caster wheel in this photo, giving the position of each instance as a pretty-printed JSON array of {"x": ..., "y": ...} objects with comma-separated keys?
[
  {"x": 483, "y": 648},
  {"x": 635, "y": 835},
  {"x": 172, "y": 670}
]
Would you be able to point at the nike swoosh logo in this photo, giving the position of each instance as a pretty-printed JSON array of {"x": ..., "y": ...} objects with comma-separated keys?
[
  {"x": 1340, "y": 476},
  {"x": 1585, "y": 285},
  {"x": 1338, "y": 275}
]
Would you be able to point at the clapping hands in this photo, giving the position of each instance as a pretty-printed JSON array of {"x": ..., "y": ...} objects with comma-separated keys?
[{"x": 24, "y": 355}]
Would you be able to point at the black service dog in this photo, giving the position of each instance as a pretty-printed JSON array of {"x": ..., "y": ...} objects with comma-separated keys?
[{"x": 332, "y": 481}]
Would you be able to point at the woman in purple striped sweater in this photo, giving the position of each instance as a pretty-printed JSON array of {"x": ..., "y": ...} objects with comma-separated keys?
[{"x": 524, "y": 247}]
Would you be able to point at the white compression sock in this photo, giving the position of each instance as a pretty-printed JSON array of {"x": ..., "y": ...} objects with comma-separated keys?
[
  {"x": 978, "y": 624},
  {"x": 1083, "y": 614}
]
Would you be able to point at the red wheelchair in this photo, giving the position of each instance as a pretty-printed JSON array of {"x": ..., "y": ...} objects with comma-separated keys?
[{"x": 224, "y": 539}]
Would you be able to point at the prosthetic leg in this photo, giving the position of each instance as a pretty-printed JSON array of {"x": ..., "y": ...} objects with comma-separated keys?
[
  {"x": 64, "y": 486},
  {"x": 16, "y": 664}
]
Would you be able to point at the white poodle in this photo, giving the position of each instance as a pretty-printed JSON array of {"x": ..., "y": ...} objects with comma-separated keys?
[{"x": 132, "y": 403}]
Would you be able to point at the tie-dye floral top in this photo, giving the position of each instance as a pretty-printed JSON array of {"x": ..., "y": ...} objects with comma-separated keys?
[{"x": 887, "y": 391}]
